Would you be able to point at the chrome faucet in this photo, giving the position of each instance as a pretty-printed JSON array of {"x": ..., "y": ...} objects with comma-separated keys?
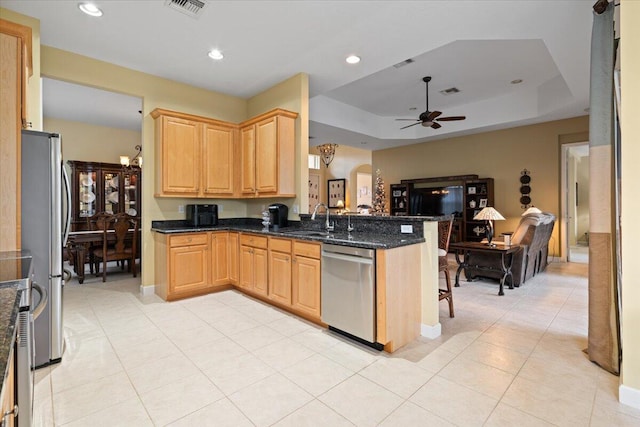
[
  {"x": 328, "y": 226},
  {"x": 350, "y": 227}
]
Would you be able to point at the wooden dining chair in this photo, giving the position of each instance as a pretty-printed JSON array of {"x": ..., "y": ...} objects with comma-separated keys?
[
  {"x": 444, "y": 236},
  {"x": 121, "y": 246}
]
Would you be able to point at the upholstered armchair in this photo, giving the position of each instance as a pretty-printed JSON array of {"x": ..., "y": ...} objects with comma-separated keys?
[{"x": 532, "y": 234}]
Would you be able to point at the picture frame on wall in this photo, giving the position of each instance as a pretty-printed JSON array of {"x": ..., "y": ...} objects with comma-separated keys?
[
  {"x": 483, "y": 203},
  {"x": 336, "y": 191}
]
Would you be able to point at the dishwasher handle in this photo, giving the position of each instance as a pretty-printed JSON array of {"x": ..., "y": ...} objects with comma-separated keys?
[{"x": 349, "y": 258}]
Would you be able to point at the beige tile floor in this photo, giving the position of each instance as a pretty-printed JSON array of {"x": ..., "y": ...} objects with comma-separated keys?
[{"x": 227, "y": 360}]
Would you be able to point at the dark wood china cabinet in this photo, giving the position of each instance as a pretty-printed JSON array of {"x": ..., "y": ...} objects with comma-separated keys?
[{"x": 103, "y": 187}]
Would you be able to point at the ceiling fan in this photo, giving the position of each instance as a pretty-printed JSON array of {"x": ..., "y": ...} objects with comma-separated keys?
[{"x": 431, "y": 118}]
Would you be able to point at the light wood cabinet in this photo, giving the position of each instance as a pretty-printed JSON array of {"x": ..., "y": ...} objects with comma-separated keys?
[
  {"x": 267, "y": 147},
  {"x": 306, "y": 278},
  {"x": 15, "y": 68},
  {"x": 218, "y": 169},
  {"x": 234, "y": 247},
  {"x": 188, "y": 263},
  {"x": 280, "y": 270},
  {"x": 195, "y": 156},
  {"x": 254, "y": 263},
  {"x": 219, "y": 262}
]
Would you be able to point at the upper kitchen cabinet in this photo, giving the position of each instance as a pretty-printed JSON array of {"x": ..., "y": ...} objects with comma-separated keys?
[
  {"x": 15, "y": 68},
  {"x": 207, "y": 158},
  {"x": 267, "y": 155},
  {"x": 194, "y": 155}
]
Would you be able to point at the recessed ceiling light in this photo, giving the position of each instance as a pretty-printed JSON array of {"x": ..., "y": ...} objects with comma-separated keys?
[
  {"x": 516, "y": 81},
  {"x": 90, "y": 9},
  {"x": 215, "y": 54},
  {"x": 353, "y": 59}
]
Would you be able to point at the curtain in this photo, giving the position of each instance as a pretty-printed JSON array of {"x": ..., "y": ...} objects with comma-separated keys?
[{"x": 604, "y": 328}]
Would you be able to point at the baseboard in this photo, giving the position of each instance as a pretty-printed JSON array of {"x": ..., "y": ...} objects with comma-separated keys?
[
  {"x": 147, "y": 290},
  {"x": 431, "y": 332},
  {"x": 629, "y": 396}
]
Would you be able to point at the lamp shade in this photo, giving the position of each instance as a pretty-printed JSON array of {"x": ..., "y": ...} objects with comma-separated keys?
[
  {"x": 531, "y": 210},
  {"x": 488, "y": 213},
  {"x": 340, "y": 204}
]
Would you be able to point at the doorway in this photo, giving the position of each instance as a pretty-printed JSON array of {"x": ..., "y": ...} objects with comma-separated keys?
[{"x": 575, "y": 202}]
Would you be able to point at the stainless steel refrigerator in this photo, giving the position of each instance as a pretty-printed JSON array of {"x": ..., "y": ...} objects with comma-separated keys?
[{"x": 45, "y": 225}]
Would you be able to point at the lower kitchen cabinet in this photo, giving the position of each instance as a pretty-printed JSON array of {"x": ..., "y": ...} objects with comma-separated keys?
[
  {"x": 234, "y": 247},
  {"x": 7, "y": 394},
  {"x": 306, "y": 278},
  {"x": 219, "y": 258},
  {"x": 280, "y": 270},
  {"x": 188, "y": 263},
  {"x": 254, "y": 264}
]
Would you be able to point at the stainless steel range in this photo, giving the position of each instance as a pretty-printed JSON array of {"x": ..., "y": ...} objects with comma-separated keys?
[{"x": 16, "y": 268}]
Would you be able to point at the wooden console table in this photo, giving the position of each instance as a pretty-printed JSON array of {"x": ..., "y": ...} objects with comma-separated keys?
[{"x": 506, "y": 259}]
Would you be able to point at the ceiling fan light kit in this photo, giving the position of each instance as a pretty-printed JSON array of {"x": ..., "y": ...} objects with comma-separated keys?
[{"x": 431, "y": 118}]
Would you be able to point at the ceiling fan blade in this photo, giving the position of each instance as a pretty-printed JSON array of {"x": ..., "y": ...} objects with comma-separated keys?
[
  {"x": 451, "y": 118},
  {"x": 436, "y": 125},
  {"x": 412, "y": 120},
  {"x": 408, "y": 126},
  {"x": 433, "y": 115}
]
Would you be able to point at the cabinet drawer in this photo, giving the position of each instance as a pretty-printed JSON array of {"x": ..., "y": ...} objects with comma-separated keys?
[
  {"x": 306, "y": 249},
  {"x": 188, "y": 239},
  {"x": 280, "y": 245},
  {"x": 253, "y": 241}
]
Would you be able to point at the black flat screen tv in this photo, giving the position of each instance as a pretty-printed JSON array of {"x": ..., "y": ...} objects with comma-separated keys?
[{"x": 437, "y": 201}]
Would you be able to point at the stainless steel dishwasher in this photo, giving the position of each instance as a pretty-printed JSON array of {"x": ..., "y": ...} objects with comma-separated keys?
[{"x": 349, "y": 292}]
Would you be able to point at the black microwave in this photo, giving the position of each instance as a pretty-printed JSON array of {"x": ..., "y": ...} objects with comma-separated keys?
[{"x": 202, "y": 215}]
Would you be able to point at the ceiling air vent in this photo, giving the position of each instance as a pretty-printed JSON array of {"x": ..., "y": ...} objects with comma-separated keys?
[
  {"x": 450, "y": 91},
  {"x": 403, "y": 63},
  {"x": 188, "y": 7}
]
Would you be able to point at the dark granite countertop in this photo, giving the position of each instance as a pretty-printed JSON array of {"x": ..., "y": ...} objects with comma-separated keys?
[
  {"x": 370, "y": 232},
  {"x": 9, "y": 306}
]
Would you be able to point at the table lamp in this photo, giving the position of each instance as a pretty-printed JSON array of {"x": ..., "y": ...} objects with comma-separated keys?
[
  {"x": 340, "y": 206},
  {"x": 489, "y": 214}
]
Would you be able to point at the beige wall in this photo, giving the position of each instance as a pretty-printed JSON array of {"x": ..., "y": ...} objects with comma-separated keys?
[
  {"x": 86, "y": 142},
  {"x": 34, "y": 85},
  {"x": 500, "y": 155},
  {"x": 346, "y": 163},
  {"x": 630, "y": 317}
]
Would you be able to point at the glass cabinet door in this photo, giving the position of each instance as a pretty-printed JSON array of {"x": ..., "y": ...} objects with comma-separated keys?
[
  {"x": 87, "y": 203},
  {"x": 131, "y": 193},
  {"x": 111, "y": 192}
]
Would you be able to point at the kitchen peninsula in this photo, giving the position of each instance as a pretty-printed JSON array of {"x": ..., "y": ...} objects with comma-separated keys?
[{"x": 283, "y": 267}]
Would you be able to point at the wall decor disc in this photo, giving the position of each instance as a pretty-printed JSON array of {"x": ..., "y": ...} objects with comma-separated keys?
[
  {"x": 525, "y": 189},
  {"x": 525, "y": 179},
  {"x": 525, "y": 200}
]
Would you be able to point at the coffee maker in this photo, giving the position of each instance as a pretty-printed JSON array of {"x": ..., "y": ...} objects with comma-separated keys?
[{"x": 278, "y": 214}]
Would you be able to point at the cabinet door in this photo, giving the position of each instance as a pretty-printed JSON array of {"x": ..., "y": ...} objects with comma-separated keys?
[
  {"x": 188, "y": 268},
  {"x": 130, "y": 187},
  {"x": 111, "y": 192},
  {"x": 219, "y": 258},
  {"x": 246, "y": 267},
  {"x": 181, "y": 156},
  {"x": 260, "y": 271},
  {"x": 306, "y": 285},
  {"x": 248, "y": 156},
  {"x": 266, "y": 180},
  {"x": 218, "y": 171},
  {"x": 233, "y": 257},
  {"x": 86, "y": 200},
  {"x": 280, "y": 277}
]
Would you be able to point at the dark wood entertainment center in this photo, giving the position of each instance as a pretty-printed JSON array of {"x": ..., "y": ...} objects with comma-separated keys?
[{"x": 469, "y": 193}]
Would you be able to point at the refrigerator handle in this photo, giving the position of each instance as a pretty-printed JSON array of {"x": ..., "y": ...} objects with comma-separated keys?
[
  {"x": 44, "y": 298},
  {"x": 67, "y": 223}
]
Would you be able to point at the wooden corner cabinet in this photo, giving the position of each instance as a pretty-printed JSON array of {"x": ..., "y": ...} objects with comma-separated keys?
[
  {"x": 478, "y": 194},
  {"x": 103, "y": 187}
]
